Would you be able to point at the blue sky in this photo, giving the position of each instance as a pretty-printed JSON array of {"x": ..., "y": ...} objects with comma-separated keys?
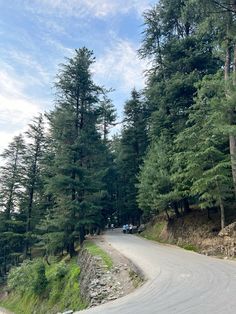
[{"x": 36, "y": 35}]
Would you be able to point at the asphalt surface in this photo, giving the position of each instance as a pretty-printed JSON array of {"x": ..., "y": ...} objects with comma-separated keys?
[
  {"x": 178, "y": 281},
  {"x": 4, "y": 311}
]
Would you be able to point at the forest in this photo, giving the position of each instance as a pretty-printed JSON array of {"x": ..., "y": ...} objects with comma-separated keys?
[{"x": 70, "y": 175}]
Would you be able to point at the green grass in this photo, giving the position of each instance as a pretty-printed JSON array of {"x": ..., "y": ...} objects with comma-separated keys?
[
  {"x": 189, "y": 247},
  {"x": 154, "y": 232},
  {"x": 95, "y": 250},
  {"x": 62, "y": 292}
]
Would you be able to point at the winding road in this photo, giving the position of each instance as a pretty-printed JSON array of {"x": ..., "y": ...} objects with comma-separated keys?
[{"x": 178, "y": 281}]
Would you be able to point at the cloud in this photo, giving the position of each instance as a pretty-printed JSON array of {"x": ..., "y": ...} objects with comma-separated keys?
[
  {"x": 121, "y": 66},
  {"x": 16, "y": 109},
  {"x": 58, "y": 46},
  {"x": 41, "y": 75},
  {"x": 98, "y": 8}
]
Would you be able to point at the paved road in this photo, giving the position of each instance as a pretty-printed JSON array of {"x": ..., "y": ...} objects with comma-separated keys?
[
  {"x": 178, "y": 281},
  {"x": 4, "y": 311}
]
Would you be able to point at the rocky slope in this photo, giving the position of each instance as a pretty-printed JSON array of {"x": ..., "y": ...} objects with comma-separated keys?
[
  {"x": 195, "y": 231},
  {"x": 98, "y": 283}
]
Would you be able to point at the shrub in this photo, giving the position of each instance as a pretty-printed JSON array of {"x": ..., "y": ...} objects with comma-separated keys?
[
  {"x": 28, "y": 277},
  {"x": 40, "y": 281},
  {"x": 21, "y": 277}
]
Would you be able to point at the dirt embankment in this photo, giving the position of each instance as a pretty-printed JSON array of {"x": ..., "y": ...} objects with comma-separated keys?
[{"x": 195, "y": 231}]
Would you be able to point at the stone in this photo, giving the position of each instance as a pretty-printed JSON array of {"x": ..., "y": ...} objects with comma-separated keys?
[{"x": 93, "y": 294}]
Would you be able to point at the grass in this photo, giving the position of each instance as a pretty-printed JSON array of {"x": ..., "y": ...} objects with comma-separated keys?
[
  {"x": 95, "y": 250},
  {"x": 154, "y": 232},
  {"x": 136, "y": 279},
  {"x": 189, "y": 247},
  {"x": 62, "y": 292}
]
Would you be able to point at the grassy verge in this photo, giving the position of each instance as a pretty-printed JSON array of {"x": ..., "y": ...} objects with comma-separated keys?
[
  {"x": 59, "y": 291},
  {"x": 189, "y": 247},
  {"x": 97, "y": 251},
  {"x": 154, "y": 232}
]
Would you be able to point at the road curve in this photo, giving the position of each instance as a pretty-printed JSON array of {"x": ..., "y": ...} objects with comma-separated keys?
[{"x": 178, "y": 281}]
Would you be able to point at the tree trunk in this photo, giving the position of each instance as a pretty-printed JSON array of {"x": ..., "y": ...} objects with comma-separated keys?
[
  {"x": 175, "y": 208},
  {"x": 232, "y": 137},
  {"x": 71, "y": 248},
  {"x": 168, "y": 216},
  {"x": 222, "y": 214},
  {"x": 232, "y": 145},
  {"x": 81, "y": 235},
  {"x": 28, "y": 223},
  {"x": 186, "y": 206}
]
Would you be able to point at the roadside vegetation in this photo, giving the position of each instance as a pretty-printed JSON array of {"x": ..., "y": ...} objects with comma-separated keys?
[
  {"x": 36, "y": 287},
  {"x": 95, "y": 250},
  {"x": 66, "y": 176}
]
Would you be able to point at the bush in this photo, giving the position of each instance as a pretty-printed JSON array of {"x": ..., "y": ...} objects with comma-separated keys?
[
  {"x": 28, "y": 277},
  {"x": 40, "y": 281},
  {"x": 40, "y": 288},
  {"x": 21, "y": 277}
]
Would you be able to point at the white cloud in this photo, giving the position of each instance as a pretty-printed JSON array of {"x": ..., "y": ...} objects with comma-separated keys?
[
  {"x": 120, "y": 65},
  {"x": 41, "y": 75},
  {"x": 57, "y": 45},
  {"x": 16, "y": 109},
  {"x": 99, "y": 8}
]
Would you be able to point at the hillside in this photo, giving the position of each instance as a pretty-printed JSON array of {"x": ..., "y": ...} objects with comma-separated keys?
[{"x": 195, "y": 231}]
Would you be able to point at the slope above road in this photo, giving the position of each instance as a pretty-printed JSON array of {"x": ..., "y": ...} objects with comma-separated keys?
[{"x": 178, "y": 281}]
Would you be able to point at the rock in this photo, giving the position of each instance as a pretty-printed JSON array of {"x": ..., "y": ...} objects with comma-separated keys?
[
  {"x": 98, "y": 284},
  {"x": 93, "y": 294},
  {"x": 68, "y": 312}
]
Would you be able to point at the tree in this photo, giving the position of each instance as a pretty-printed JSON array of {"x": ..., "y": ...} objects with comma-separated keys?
[
  {"x": 33, "y": 179},
  {"x": 11, "y": 176},
  {"x": 76, "y": 183},
  {"x": 223, "y": 19},
  {"x": 155, "y": 187},
  {"x": 11, "y": 187},
  {"x": 130, "y": 151},
  {"x": 206, "y": 155},
  {"x": 107, "y": 115},
  {"x": 182, "y": 53}
]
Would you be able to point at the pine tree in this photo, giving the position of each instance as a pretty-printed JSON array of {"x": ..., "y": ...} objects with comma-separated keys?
[
  {"x": 181, "y": 53},
  {"x": 130, "y": 152},
  {"x": 206, "y": 152},
  {"x": 11, "y": 186},
  {"x": 76, "y": 183},
  {"x": 107, "y": 114},
  {"x": 155, "y": 187},
  {"x": 30, "y": 206}
]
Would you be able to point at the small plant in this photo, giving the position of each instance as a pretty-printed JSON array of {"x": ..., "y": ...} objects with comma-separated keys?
[
  {"x": 190, "y": 247},
  {"x": 136, "y": 279}
]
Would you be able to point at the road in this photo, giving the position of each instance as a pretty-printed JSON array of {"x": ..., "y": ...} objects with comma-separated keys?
[
  {"x": 178, "y": 281},
  {"x": 4, "y": 311}
]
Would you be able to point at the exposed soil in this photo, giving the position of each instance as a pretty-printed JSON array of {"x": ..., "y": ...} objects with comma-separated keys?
[{"x": 195, "y": 231}]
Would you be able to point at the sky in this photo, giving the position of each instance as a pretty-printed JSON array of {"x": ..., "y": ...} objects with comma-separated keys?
[{"x": 37, "y": 35}]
